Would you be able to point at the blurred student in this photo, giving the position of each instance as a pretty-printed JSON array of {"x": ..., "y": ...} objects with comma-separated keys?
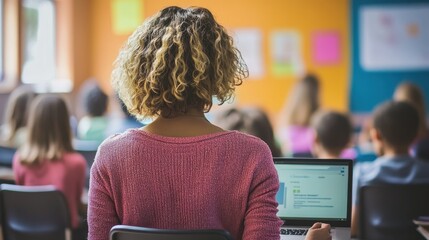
[
  {"x": 395, "y": 126},
  {"x": 47, "y": 156},
  {"x": 124, "y": 122},
  {"x": 295, "y": 133},
  {"x": 13, "y": 132},
  {"x": 250, "y": 120},
  {"x": 181, "y": 171},
  {"x": 413, "y": 94},
  {"x": 333, "y": 134},
  {"x": 93, "y": 126}
]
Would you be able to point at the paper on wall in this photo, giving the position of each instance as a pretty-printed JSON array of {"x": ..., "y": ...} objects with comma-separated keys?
[
  {"x": 249, "y": 43},
  {"x": 286, "y": 53},
  {"x": 326, "y": 47},
  {"x": 394, "y": 37},
  {"x": 127, "y": 15}
]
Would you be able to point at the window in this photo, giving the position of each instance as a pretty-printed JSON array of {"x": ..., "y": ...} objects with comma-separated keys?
[
  {"x": 1, "y": 40},
  {"x": 38, "y": 43}
]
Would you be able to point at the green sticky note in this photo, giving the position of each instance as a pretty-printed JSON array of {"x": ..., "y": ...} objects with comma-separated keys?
[
  {"x": 282, "y": 69},
  {"x": 127, "y": 15}
]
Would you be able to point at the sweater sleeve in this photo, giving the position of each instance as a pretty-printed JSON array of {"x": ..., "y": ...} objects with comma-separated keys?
[
  {"x": 261, "y": 221},
  {"x": 101, "y": 208}
]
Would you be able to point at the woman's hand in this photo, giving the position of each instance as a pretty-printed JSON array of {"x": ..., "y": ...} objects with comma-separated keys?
[{"x": 319, "y": 231}]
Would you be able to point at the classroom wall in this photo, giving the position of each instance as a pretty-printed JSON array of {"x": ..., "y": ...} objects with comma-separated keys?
[
  {"x": 383, "y": 82},
  {"x": 269, "y": 91}
]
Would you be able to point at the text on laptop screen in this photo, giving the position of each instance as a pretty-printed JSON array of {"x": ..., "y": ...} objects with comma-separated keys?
[{"x": 312, "y": 191}]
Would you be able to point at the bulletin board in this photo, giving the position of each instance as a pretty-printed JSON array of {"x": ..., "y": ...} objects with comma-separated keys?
[
  {"x": 311, "y": 24},
  {"x": 390, "y": 45}
]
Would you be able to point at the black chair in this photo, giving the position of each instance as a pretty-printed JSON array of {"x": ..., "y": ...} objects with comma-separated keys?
[
  {"x": 6, "y": 156},
  {"x": 302, "y": 155},
  {"x": 123, "y": 232},
  {"x": 88, "y": 149},
  {"x": 36, "y": 213},
  {"x": 422, "y": 149},
  {"x": 387, "y": 212},
  {"x": 89, "y": 156}
]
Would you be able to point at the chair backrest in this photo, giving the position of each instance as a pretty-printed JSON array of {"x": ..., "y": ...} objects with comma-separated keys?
[
  {"x": 36, "y": 213},
  {"x": 123, "y": 232},
  {"x": 302, "y": 155},
  {"x": 6, "y": 156},
  {"x": 421, "y": 149},
  {"x": 386, "y": 212}
]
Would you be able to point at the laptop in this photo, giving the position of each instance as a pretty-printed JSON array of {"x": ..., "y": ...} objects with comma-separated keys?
[{"x": 314, "y": 190}]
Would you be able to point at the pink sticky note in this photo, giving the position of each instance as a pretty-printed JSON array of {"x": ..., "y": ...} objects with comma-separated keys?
[{"x": 326, "y": 47}]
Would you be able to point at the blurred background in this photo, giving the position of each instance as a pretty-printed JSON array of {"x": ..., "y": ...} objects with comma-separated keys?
[{"x": 359, "y": 49}]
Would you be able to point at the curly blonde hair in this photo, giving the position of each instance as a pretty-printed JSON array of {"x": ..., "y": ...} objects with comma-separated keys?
[{"x": 177, "y": 60}]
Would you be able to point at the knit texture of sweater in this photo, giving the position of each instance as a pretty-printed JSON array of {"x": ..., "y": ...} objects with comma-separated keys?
[{"x": 224, "y": 180}]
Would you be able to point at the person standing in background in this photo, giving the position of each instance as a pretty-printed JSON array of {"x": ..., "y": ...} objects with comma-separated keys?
[{"x": 295, "y": 134}]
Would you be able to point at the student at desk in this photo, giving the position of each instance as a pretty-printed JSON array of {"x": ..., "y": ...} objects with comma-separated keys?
[
  {"x": 395, "y": 126},
  {"x": 181, "y": 171}
]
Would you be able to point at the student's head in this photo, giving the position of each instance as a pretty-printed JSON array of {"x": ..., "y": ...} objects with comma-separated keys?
[
  {"x": 303, "y": 101},
  {"x": 176, "y": 61},
  {"x": 95, "y": 100},
  {"x": 333, "y": 132},
  {"x": 49, "y": 134},
  {"x": 395, "y": 126},
  {"x": 123, "y": 107},
  {"x": 17, "y": 110},
  {"x": 250, "y": 120},
  {"x": 413, "y": 94}
]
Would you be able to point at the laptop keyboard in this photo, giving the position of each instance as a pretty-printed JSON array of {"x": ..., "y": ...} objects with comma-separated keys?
[{"x": 290, "y": 231}]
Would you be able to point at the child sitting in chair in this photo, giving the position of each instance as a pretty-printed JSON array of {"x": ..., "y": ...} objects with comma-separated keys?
[{"x": 395, "y": 126}]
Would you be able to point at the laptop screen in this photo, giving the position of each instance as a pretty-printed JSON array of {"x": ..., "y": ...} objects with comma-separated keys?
[{"x": 314, "y": 190}]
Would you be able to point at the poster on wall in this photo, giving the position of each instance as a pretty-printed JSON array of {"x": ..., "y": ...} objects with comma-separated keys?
[
  {"x": 286, "y": 54},
  {"x": 394, "y": 37},
  {"x": 249, "y": 42},
  {"x": 326, "y": 47},
  {"x": 127, "y": 15}
]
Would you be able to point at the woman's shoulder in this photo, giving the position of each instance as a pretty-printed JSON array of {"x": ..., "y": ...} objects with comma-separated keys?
[
  {"x": 246, "y": 139},
  {"x": 119, "y": 140}
]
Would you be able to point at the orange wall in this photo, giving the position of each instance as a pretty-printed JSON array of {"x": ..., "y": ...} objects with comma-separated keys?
[{"x": 303, "y": 16}]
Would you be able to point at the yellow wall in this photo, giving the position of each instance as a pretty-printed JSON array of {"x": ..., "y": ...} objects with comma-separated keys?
[{"x": 304, "y": 16}]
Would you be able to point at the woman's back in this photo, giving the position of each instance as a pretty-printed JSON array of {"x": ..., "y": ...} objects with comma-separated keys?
[
  {"x": 185, "y": 183},
  {"x": 180, "y": 171}
]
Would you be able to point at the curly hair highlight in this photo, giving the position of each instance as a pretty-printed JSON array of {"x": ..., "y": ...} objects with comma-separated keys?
[{"x": 177, "y": 60}]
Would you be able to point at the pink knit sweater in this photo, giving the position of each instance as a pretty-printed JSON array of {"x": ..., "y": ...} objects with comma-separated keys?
[{"x": 224, "y": 180}]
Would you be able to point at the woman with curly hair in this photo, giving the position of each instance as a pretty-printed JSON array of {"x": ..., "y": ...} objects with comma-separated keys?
[{"x": 181, "y": 171}]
